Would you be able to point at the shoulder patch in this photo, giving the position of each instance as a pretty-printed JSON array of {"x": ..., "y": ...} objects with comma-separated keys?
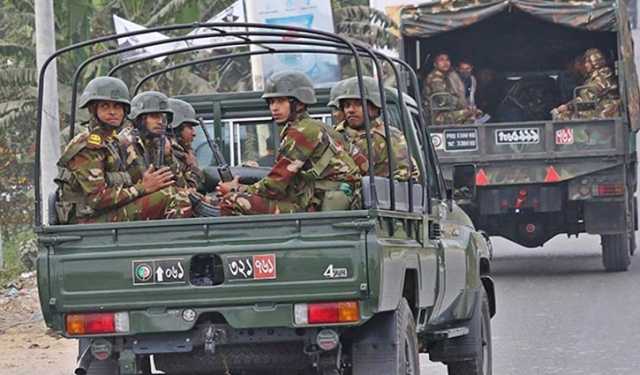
[{"x": 94, "y": 139}]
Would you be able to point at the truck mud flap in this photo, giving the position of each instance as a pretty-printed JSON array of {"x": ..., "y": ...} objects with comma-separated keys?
[{"x": 604, "y": 217}]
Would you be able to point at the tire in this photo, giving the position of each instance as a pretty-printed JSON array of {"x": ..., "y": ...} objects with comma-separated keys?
[
  {"x": 106, "y": 367},
  {"x": 482, "y": 361},
  {"x": 616, "y": 256},
  {"x": 388, "y": 344}
]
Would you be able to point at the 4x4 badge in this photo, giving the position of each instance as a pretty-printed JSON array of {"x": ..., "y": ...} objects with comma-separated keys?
[{"x": 335, "y": 273}]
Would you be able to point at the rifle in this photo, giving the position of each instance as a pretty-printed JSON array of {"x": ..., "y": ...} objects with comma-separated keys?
[
  {"x": 223, "y": 167},
  {"x": 162, "y": 141}
]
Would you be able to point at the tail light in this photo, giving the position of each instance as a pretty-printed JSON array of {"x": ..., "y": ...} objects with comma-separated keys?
[
  {"x": 97, "y": 323},
  {"x": 326, "y": 312},
  {"x": 609, "y": 190}
]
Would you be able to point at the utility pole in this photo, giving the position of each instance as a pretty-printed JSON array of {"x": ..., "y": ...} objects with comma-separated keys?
[{"x": 50, "y": 136}]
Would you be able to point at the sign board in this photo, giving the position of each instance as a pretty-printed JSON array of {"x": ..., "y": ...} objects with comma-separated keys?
[
  {"x": 517, "y": 136},
  {"x": 308, "y": 14}
]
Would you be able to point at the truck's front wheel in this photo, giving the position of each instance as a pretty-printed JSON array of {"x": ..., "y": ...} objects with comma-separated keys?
[
  {"x": 481, "y": 363},
  {"x": 387, "y": 345},
  {"x": 616, "y": 256}
]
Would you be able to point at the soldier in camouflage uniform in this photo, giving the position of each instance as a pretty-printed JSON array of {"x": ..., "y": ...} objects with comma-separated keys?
[
  {"x": 439, "y": 93},
  {"x": 353, "y": 129},
  {"x": 145, "y": 144},
  {"x": 312, "y": 170},
  {"x": 336, "y": 112},
  {"x": 598, "y": 98},
  {"x": 181, "y": 135},
  {"x": 94, "y": 185}
]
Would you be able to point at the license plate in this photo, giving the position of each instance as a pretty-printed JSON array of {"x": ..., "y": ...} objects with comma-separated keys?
[
  {"x": 158, "y": 271},
  {"x": 460, "y": 140},
  {"x": 252, "y": 267}
]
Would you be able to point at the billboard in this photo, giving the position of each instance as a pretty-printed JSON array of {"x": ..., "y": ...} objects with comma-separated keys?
[
  {"x": 323, "y": 69},
  {"x": 232, "y": 14}
]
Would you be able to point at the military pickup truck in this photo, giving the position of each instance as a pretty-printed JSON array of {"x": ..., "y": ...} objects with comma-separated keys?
[
  {"x": 336, "y": 292},
  {"x": 529, "y": 177}
]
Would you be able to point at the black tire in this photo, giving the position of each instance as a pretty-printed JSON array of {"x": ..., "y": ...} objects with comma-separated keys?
[
  {"x": 482, "y": 361},
  {"x": 616, "y": 256},
  {"x": 106, "y": 367},
  {"x": 388, "y": 344}
]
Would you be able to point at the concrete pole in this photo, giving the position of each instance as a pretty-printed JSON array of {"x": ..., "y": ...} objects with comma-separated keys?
[{"x": 50, "y": 139}]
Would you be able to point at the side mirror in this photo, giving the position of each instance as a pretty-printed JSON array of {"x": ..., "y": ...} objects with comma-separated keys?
[{"x": 464, "y": 182}]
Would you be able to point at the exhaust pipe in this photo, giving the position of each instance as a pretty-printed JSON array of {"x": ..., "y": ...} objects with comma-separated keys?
[{"x": 84, "y": 361}]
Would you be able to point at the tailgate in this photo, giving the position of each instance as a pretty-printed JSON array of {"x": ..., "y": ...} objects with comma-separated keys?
[
  {"x": 208, "y": 263},
  {"x": 543, "y": 151}
]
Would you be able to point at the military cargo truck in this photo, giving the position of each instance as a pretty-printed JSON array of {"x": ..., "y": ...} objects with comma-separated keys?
[
  {"x": 330, "y": 292},
  {"x": 529, "y": 177}
]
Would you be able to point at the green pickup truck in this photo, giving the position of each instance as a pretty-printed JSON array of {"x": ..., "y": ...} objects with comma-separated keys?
[
  {"x": 536, "y": 176},
  {"x": 338, "y": 292}
]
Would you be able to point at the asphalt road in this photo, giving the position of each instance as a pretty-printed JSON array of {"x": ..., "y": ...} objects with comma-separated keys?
[{"x": 558, "y": 312}]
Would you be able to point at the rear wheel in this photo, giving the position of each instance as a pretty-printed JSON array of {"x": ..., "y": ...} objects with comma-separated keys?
[
  {"x": 616, "y": 256},
  {"x": 481, "y": 363},
  {"x": 388, "y": 345}
]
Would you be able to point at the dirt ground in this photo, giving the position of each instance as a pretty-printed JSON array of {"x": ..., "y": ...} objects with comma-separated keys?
[{"x": 26, "y": 348}]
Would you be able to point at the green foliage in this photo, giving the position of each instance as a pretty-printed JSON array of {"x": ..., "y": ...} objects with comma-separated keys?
[{"x": 13, "y": 267}]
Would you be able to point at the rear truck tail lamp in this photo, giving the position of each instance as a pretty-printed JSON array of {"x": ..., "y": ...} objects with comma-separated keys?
[
  {"x": 326, "y": 312},
  {"x": 97, "y": 323},
  {"x": 609, "y": 190}
]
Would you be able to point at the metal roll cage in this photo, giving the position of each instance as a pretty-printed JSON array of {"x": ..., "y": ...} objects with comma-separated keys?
[{"x": 283, "y": 35}]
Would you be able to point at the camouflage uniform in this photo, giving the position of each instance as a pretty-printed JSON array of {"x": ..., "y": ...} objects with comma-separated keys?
[
  {"x": 358, "y": 138},
  {"x": 142, "y": 151},
  {"x": 311, "y": 168},
  {"x": 183, "y": 153},
  {"x": 601, "y": 90},
  {"x": 93, "y": 183},
  {"x": 448, "y": 106},
  {"x": 399, "y": 149}
]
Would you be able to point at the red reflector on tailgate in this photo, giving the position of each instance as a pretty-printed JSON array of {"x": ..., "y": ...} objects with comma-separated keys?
[
  {"x": 481, "y": 178},
  {"x": 552, "y": 175}
]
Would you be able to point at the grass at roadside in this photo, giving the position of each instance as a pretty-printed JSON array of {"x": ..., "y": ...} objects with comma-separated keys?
[{"x": 13, "y": 267}]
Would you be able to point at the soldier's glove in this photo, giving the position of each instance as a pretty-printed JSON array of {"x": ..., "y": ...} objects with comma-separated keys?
[{"x": 201, "y": 208}]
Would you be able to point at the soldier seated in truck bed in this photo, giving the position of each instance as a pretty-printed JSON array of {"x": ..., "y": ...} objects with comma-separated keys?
[{"x": 312, "y": 172}]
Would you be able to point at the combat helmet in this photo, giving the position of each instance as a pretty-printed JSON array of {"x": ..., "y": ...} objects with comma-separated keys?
[
  {"x": 150, "y": 102},
  {"x": 595, "y": 57},
  {"x": 105, "y": 88},
  {"x": 336, "y": 90},
  {"x": 182, "y": 112},
  {"x": 351, "y": 90},
  {"x": 290, "y": 84}
]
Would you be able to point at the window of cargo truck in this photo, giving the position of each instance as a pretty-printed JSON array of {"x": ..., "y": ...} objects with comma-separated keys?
[{"x": 249, "y": 142}]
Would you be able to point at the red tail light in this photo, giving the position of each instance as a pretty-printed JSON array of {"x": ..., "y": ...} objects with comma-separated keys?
[
  {"x": 327, "y": 312},
  {"x": 97, "y": 323}
]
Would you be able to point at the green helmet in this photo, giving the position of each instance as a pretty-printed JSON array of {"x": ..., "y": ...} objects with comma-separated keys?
[
  {"x": 150, "y": 102},
  {"x": 290, "y": 84},
  {"x": 336, "y": 90},
  {"x": 182, "y": 112},
  {"x": 105, "y": 88},
  {"x": 351, "y": 90}
]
